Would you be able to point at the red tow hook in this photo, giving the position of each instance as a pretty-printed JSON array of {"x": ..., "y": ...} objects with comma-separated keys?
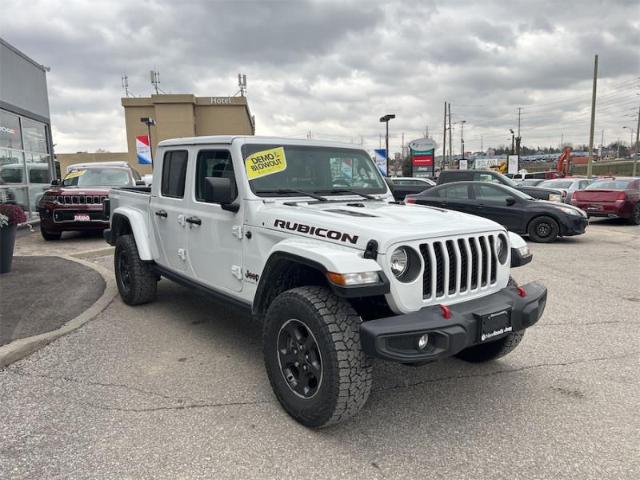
[
  {"x": 522, "y": 292},
  {"x": 446, "y": 311}
]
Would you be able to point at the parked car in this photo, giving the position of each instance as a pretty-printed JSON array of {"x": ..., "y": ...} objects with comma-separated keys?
[
  {"x": 403, "y": 186},
  {"x": 448, "y": 176},
  {"x": 543, "y": 221},
  {"x": 302, "y": 235},
  {"x": 76, "y": 202},
  {"x": 568, "y": 186},
  {"x": 611, "y": 197}
]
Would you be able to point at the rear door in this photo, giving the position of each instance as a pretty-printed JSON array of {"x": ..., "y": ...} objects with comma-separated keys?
[
  {"x": 492, "y": 204},
  {"x": 167, "y": 211},
  {"x": 457, "y": 196},
  {"x": 214, "y": 234}
]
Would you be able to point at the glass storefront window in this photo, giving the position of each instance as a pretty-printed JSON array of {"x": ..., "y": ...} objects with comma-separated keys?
[
  {"x": 10, "y": 131},
  {"x": 34, "y": 135},
  {"x": 11, "y": 167},
  {"x": 16, "y": 196}
]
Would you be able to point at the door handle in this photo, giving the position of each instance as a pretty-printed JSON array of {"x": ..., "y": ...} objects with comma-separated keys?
[
  {"x": 194, "y": 220},
  {"x": 161, "y": 213}
]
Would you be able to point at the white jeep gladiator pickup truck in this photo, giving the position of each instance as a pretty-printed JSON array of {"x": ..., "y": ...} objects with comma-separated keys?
[{"x": 306, "y": 236}]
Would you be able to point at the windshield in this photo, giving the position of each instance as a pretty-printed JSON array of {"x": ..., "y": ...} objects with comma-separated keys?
[
  {"x": 279, "y": 170},
  {"x": 529, "y": 183},
  {"x": 556, "y": 184},
  {"x": 97, "y": 177},
  {"x": 508, "y": 181},
  {"x": 609, "y": 185}
]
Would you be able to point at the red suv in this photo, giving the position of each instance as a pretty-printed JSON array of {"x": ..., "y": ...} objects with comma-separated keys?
[{"x": 76, "y": 202}]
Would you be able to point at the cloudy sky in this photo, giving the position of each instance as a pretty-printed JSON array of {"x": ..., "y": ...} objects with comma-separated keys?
[{"x": 333, "y": 67}]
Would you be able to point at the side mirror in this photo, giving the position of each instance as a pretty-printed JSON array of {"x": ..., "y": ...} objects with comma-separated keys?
[
  {"x": 140, "y": 183},
  {"x": 220, "y": 190},
  {"x": 510, "y": 201},
  {"x": 55, "y": 182}
]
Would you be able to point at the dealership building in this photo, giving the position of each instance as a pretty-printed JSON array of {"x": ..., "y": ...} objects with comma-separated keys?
[{"x": 26, "y": 166}]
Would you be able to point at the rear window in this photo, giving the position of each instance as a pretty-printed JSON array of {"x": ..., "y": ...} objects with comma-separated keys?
[
  {"x": 609, "y": 185},
  {"x": 174, "y": 171},
  {"x": 556, "y": 184}
]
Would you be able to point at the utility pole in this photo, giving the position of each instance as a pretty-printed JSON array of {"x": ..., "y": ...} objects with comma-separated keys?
[
  {"x": 518, "y": 138},
  {"x": 635, "y": 158},
  {"x": 450, "y": 136},
  {"x": 402, "y": 150},
  {"x": 481, "y": 144},
  {"x": 593, "y": 117},
  {"x": 462, "y": 137},
  {"x": 561, "y": 140},
  {"x": 426, "y": 132},
  {"x": 444, "y": 138}
]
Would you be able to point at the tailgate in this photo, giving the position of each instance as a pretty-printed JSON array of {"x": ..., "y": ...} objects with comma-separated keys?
[{"x": 598, "y": 196}]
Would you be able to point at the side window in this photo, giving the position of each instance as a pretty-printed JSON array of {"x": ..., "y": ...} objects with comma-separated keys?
[
  {"x": 485, "y": 177},
  {"x": 212, "y": 163},
  {"x": 174, "y": 171},
  {"x": 456, "y": 192},
  {"x": 489, "y": 193}
]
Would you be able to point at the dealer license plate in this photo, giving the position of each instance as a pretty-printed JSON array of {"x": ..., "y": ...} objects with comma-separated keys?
[
  {"x": 495, "y": 324},
  {"x": 82, "y": 218}
]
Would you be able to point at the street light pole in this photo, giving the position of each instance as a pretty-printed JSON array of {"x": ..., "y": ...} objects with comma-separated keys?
[
  {"x": 385, "y": 119},
  {"x": 462, "y": 137},
  {"x": 148, "y": 121}
]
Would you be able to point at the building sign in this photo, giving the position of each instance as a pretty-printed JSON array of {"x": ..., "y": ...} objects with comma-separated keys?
[
  {"x": 463, "y": 165},
  {"x": 513, "y": 164},
  {"x": 380, "y": 159},
  {"x": 220, "y": 100},
  {"x": 143, "y": 150}
]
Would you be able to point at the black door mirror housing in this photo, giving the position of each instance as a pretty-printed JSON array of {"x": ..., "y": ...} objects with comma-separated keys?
[
  {"x": 55, "y": 182},
  {"x": 140, "y": 183},
  {"x": 220, "y": 190},
  {"x": 510, "y": 201}
]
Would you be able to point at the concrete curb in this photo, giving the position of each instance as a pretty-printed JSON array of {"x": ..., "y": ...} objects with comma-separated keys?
[{"x": 23, "y": 347}]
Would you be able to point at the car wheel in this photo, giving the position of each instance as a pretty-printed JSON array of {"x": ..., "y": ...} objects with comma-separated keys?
[
  {"x": 634, "y": 219},
  {"x": 137, "y": 283},
  {"x": 488, "y": 351},
  {"x": 314, "y": 358},
  {"x": 543, "y": 229},
  {"x": 49, "y": 236}
]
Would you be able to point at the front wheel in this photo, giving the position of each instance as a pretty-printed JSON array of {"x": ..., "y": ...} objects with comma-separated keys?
[
  {"x": 314, "y": 358},
  {"x": 49, "y": 236},
  {"x": 486, "y": 352},
  {"x": 543, "y": 229},
  {"x": 137, "y": 283}
]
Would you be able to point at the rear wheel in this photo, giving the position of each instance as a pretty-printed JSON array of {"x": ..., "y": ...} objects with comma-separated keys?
[
  {"x": 313, "y": 356},
  {"x": 634, "y": 219},
  {"x": 49, "y": 236},
  {"x": 137, "y": 283},
  {"x": 543, "y": 229}
]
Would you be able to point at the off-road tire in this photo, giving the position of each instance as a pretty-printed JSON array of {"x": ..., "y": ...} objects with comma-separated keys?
[
  {"x": 141, "y": 284},
  {"x": 346, "y": 371},
  {"x": 543, "y": 229},
  {"x": 488, "y": 351},
  {"x": 634, "y": 219},
  {"x": 49, "y": 236}
]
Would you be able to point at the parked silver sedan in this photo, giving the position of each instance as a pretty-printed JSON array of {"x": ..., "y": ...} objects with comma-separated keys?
[{"x": 567, "y": 186}]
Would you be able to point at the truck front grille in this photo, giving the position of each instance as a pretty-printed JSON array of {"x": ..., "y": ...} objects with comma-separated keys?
[
  {"x": 452, "y": 267},
  {"x": 81, "y": 199}
]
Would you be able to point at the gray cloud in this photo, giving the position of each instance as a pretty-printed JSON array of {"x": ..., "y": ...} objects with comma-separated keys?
[{"x": 333, "y": 67}]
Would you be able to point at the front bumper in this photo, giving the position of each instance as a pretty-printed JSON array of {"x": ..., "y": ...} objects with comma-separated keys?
[
  {"x": 395, "y": 338},
  {"x": 574, "y": 226}
]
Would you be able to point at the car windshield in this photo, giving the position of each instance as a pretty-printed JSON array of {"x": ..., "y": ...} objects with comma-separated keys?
[
  {"x": 97, "y": 177},
  {"x": 508, "y": 181},
  {"x": 556, "y": 184},
  {"x": 609, "y": 185},
  {"x": 275, "y": 170},
  {"x": 529, "y": 183}
]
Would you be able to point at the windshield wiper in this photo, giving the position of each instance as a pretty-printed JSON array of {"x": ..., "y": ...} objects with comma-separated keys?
[
  {"x": 284, "y": 191},
  {"x": 342, "y": 190}
]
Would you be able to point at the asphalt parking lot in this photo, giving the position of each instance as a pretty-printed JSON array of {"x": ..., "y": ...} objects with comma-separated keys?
[{"x": 177, "y": 389}]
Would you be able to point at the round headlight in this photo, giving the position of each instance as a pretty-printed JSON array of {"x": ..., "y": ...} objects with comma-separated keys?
[
  {"x": 399, "y": 261},
  {"x": 502, "y": 248}
]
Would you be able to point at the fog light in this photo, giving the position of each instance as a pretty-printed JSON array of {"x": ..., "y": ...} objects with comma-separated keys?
[{"x": 423, "y": 341}]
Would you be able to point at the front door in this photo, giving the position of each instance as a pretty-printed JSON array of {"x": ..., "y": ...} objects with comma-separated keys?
[
  {"x": 214, "y": 234},
  {"x": 167, "y": 212},
  {"x": 491, "y": 201}
]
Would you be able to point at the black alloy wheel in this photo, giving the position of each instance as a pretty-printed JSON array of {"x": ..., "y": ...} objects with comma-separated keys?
[
  {"x": 299, "y": 358},
  {"x": 123, "y": 271},
  {"x": 635, "y": 215},
  {"x": 543, "y": 229}
]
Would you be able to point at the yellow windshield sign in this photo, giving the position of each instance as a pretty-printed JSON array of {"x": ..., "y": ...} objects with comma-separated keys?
[
  {"x": 266, "y": 162},
  {"x": 77, "y": 173}
]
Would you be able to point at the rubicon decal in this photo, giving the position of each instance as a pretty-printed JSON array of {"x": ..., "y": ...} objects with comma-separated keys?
[{"x": 317, "y": 231}]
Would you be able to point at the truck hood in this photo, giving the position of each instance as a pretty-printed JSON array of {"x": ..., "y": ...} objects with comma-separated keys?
[
  {"x": 353, "y": 223},
  {"x": 79, "y": 190}
]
